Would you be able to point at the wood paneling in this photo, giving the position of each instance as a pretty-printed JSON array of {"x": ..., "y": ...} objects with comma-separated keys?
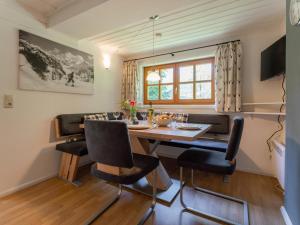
[{"x": 193, "y": 24}]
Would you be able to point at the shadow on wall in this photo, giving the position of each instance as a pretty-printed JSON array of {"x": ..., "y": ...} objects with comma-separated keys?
[
  {"x": 52, "y": 133},
  {"x": 244, "y": 163}
]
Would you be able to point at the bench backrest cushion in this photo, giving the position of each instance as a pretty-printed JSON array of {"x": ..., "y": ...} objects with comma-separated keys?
[
  {"x": 68, "y": 124},
  {"x": 220, "y": 123},
  {"x": 96, "y": 116}
]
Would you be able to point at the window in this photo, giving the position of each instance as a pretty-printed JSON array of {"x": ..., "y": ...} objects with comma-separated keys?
[{"x": 189, "y": 82}]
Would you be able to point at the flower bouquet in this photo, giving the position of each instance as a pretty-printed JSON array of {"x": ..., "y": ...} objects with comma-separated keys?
[{"x": 129, "y": 108}]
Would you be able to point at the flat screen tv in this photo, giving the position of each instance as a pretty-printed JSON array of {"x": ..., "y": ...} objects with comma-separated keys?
[{"x": 273, "y": 60}]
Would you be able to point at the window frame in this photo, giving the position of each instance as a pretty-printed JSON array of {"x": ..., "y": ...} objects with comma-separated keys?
[{"x": 176, "y": 83}]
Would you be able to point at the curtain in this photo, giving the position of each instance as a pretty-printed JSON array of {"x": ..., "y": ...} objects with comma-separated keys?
[
  {"x": 129, "y": 81},
  {"x": 228, "y": 77}
]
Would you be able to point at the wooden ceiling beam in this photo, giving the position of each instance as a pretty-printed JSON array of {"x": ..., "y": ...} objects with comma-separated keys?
[{"x": 70, "y": 9}]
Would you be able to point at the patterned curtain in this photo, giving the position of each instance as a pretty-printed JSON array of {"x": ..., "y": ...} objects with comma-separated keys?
[
  {"x": 129, "y": 81},
  {"x": 228, "y": 77}
]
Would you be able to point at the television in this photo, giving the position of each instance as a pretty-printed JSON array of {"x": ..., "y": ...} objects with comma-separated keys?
[{"x": 273, "y": 60}]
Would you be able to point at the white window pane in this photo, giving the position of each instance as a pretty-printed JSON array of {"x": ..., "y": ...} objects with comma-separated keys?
[
  {"x": 152, "y": 82},
  {"x": 186, "y": 73},
  {"x": 166, "y": 75},
  {"x": 166, "y": 92},
  {"x": 153, "y": 93},
  {"x": 203, "y": 90},
  {"x": 186, "y": 91},
  {"x": 203, "y": 72}
]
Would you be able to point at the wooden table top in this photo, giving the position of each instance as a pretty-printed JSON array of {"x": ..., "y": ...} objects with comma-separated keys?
[{"x": 169, "y": 133}]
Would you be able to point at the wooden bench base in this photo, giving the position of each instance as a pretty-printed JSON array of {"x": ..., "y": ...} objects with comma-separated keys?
[{"x": 69, "y": 167}]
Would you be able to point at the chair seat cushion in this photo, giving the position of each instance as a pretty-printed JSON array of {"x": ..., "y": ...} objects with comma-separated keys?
[
  {"x": 211, "y": 144},
  {"x": 75, "y": 148},
  {"x": 146, "y": 164},
  {"x": 206, "y": 160}
]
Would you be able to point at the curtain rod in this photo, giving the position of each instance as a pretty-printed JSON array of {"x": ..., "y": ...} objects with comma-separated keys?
[{"x": 185, "y": 50}]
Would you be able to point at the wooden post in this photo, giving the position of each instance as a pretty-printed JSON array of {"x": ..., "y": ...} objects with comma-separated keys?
[
  {"x": 73, "y": 169},
  {"x": 68, "y": 166}
]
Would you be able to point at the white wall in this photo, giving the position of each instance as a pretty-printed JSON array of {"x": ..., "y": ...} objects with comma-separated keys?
[
  {"x": 27, "y": 144},
  {"x": 26, "y": 131},
  {"x": 254, "y": 156}
]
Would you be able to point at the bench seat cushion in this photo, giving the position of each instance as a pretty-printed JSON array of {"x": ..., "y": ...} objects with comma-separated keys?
[
  {"x": 75, "y": 148},
  {"x": 210, "y": 144}
]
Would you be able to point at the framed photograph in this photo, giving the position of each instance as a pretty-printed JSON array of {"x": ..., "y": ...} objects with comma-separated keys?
[{"x": 45, "y": 65}]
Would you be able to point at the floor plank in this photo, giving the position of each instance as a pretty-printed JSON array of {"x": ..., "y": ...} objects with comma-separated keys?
[{"x": 56, "y": 202}]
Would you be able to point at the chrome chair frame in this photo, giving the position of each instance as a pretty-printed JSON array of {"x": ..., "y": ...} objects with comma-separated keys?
[
  {"x": 208, "y": 215},
  {"x": 145, "y": 217}
]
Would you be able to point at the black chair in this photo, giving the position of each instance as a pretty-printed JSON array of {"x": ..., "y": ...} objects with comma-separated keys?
[
  {"x": 108, "y": 144},
  {"x": 215, "y": 162}
]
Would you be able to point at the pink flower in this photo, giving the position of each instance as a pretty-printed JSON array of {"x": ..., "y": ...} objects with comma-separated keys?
[{"x": 132, "y": 103}]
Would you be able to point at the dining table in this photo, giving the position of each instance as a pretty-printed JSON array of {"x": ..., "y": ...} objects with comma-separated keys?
[{"x": 145, "y": 139}]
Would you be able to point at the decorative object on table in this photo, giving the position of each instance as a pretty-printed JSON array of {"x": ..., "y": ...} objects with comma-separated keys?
[
  {"x": 188, "y": 127},
  {"x": 150, "y": 113},
  {"x": 116, "y": 115},
  {"x": 138, "y": 127},
  {"x": 125, "y": 107},
  {"x": 163, "y": 120},
  {"x": 45, "y": 65},
  {"x": 228, "y": 74},
  {"x": 132, "y": 112},
  {"x": 180, "y": 117},
  {"x": 295, "y": 12},
  {"x": 143, "y": 114}
]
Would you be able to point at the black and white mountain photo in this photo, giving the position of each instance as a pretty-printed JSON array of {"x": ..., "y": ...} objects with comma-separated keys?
[{"x": 49, "y": 66}]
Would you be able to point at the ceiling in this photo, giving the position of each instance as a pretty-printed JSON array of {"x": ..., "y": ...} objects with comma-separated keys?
[
  {"x": 46, "y": 8},
  {"x": 52, "y": 12},
  {"x": 125, "y": 25}
]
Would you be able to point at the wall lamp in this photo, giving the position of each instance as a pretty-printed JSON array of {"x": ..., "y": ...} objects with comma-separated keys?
[{"x": 106, "y": 61}]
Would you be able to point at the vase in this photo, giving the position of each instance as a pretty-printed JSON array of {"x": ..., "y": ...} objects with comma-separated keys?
[{"x": 133, "y": 118}]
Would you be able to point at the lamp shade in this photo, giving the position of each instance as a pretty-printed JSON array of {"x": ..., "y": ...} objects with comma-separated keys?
[{"x": 153, "y": 76}]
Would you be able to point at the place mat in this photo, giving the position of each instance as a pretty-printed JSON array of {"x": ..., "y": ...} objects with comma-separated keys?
[
  {"x": 138, "y": 127},
  {"x": 188, "y": 127}
]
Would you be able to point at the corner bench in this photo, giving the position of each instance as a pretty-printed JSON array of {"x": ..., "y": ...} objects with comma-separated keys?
[{"x": 68, "y": 128}]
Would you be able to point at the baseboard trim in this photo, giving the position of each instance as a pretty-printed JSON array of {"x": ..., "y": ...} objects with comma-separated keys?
[
  {"x": 26, "y": 185},
  {"x": 285, "y": 216},
  {"x": 34, "y": 182}
]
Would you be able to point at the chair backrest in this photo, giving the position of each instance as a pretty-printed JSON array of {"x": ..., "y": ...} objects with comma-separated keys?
[
  {"x": 235, "y": 138},
  {"x": 108, "y": 143}
]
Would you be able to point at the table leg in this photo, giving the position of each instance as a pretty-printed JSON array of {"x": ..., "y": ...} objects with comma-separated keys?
[{"x": 142, "y": 146}]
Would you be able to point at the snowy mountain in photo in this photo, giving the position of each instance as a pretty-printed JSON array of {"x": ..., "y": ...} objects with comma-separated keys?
[{"x": 49, "y": 66}]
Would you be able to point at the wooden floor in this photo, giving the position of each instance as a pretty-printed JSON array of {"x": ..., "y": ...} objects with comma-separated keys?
[{"x": 56, "y": 202}]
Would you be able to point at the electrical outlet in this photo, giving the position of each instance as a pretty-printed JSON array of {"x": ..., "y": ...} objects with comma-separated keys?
[{"x": 8, "y": 101}]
